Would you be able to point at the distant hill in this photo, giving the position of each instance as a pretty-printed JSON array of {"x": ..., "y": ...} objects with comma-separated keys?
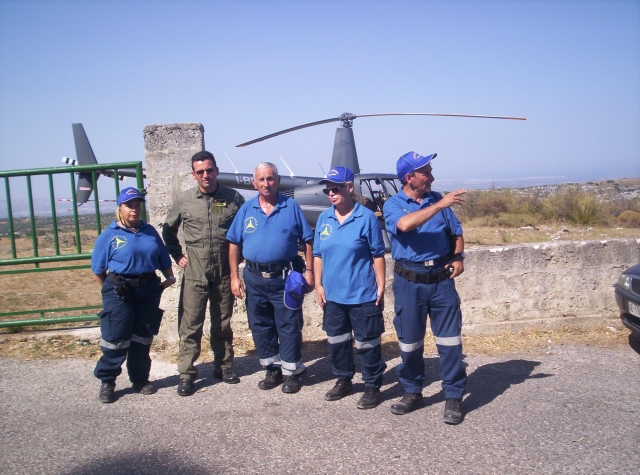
[
  {"x": 42, "y": 207},
  {"x": 607, "y": 190}
]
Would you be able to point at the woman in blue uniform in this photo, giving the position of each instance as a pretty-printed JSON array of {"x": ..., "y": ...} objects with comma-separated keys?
[
  {"x": 124, "y": 260},
  {"x": 349, "y": 273}
]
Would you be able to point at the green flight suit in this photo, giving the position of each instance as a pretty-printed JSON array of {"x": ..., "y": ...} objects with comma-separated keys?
[{"x": 205, "y": 220}]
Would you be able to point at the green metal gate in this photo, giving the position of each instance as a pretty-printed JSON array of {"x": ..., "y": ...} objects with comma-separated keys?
[{"x": 31, "y": 264}]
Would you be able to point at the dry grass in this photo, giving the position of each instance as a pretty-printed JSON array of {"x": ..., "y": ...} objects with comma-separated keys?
[
  {"x": 491, "y": 236},
  {"x": 38, "y": 346},
  {"x": 56, "y": 289}
]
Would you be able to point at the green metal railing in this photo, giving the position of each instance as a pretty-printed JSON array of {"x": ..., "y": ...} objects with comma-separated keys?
[{"x": 36, "y": 260}]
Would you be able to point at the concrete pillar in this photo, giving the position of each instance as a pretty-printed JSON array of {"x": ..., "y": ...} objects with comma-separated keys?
[{"x": 168, "y": 149}]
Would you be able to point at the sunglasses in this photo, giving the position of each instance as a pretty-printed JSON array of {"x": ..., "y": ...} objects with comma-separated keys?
[
  {"x": 208, "y": 171},
  {"x": 333, "y": 189}
]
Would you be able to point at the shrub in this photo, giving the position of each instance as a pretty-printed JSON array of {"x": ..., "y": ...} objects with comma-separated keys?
[
  {"x": 507, "y": 209},
  {"x": 629, "y": 219}
]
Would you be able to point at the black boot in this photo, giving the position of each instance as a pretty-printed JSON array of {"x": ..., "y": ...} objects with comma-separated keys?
[
  {"x": 144, "y": 387},
  {"x": 227, "y": 376},
  {"x": 370, "y": 398},
  {"x": 272, "y": 379},
  {"x": 408, "y": 403},
  {"x": 452, "y": 411},
  {"x": 340, "y": 390},
  {"x": 185, "y": 387},
  {"x": 107, "y": 392},
  {"x": 291, "y": 384}
]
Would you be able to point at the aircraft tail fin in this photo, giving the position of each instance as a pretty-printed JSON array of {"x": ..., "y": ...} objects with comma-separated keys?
[
  {"x": 84, "y": 152},
  {"x": 344, "y": 150},
  {"x": 84, "y": 156}
]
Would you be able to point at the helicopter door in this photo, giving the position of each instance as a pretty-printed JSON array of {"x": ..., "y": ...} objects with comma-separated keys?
[
  {"x": 374, "y": 193},
  {"x": 370, "y": 191}
]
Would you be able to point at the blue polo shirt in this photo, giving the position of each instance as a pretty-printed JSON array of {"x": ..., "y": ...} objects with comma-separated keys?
[
  {"x": 270, "y": 238},
  {"x": 347, "y": 251},
  {"x": 426, "y": 242},
  {"x": 124, "y": 252}
]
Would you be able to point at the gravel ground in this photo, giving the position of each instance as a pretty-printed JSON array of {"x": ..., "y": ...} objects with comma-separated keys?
[{"x": 575, "y": 409}]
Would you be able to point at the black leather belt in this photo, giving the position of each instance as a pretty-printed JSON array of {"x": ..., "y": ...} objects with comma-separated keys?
[
  {"x": 134, "y": 280},
  {"x": 421, "y": 278},
  {"x": 269, "y": 266},
  {"x": 431, "y": 263},
  {"x": 268, "y": 270}
]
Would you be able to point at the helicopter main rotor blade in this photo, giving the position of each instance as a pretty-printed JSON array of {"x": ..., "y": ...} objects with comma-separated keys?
[
  {"x": 310, "y": 124},
  {"x": 348, "y": 116},
  {"x": 442, "y": 115}
]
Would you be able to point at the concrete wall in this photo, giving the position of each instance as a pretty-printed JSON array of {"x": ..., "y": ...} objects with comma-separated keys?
[
  {"x": 545, "y": 285},
  {"x": 560, "y": 283}
]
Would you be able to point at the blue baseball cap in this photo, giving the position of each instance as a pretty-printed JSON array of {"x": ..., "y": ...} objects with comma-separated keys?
[
  {"x": 129, "y": 194},
  {"x": 411, "y": 161},
  {"x": 338, "y": 175},
  {"x": 295, "y": 288}
]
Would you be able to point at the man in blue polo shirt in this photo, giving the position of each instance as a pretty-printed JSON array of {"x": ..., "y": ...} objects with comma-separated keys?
[
  {"x": 266, "y": 232},
  {"x": 421, "y": 226}
]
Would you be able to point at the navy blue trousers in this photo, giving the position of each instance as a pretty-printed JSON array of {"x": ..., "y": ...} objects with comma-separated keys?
[
  {"x": 367, "y": 323},
  {"x": 276, "y": 329},
  {"x": 440, "y": 301},
  {"x": 127, "y": 328}
]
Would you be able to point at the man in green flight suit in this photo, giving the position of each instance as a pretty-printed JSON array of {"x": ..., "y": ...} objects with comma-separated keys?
[{"x": 206, "y": 212}]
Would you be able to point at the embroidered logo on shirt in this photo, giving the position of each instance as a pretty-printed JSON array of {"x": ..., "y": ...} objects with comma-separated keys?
[
  {"x": 118, "y": 242},
  {"x": 325, "y": 232},
  {"x": 250, "y": 225},
  {"x": 217, "y": 206}
]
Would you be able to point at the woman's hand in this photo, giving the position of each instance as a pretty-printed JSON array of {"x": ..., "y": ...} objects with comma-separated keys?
[
  {"x": 320, "y": 296},
  {"x": 380, "y": 299}
]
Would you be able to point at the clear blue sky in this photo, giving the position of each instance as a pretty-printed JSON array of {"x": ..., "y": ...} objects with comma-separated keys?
[{"x": 248, "y": 68}]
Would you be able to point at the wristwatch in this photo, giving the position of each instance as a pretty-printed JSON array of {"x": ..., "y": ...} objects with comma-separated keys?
[{"x": 460, "y": 254}]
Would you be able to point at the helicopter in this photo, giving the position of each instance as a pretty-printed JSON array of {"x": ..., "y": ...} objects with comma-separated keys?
[{"x": 375, "y": 188}]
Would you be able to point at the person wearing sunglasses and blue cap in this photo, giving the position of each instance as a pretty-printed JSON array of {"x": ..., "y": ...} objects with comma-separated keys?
[
  {"x": 428, "y": 249},
  {"x": 124, "y": 260},
  {"x": 349, "y": 270}
]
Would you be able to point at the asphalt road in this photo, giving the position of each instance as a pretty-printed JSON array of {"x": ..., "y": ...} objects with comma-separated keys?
[{"x": 569, "y": 409}]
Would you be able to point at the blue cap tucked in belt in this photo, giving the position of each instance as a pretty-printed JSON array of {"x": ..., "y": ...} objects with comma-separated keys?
[{"x": 295, "y": 288}]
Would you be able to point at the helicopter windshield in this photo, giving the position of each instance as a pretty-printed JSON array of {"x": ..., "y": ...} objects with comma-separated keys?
[{"x": 377, "y": 190}]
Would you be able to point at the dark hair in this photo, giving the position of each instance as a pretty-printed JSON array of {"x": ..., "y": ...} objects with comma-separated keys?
[
  {"x": 404, "y": 181},
  {"x": 201, "y": 157}
]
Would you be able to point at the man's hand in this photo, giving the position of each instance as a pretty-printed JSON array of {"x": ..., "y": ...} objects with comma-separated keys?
[
  {"x": 458, "y": 266},
  {"x": 308, "y": 276},
  {"x": 237, "y": 287},
  {"x": 455, "y": 197},
  {"x": 184, "y": 261}
]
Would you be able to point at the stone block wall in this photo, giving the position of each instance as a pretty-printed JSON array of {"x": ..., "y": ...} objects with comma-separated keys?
[{"x": 551, "y": 284}]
